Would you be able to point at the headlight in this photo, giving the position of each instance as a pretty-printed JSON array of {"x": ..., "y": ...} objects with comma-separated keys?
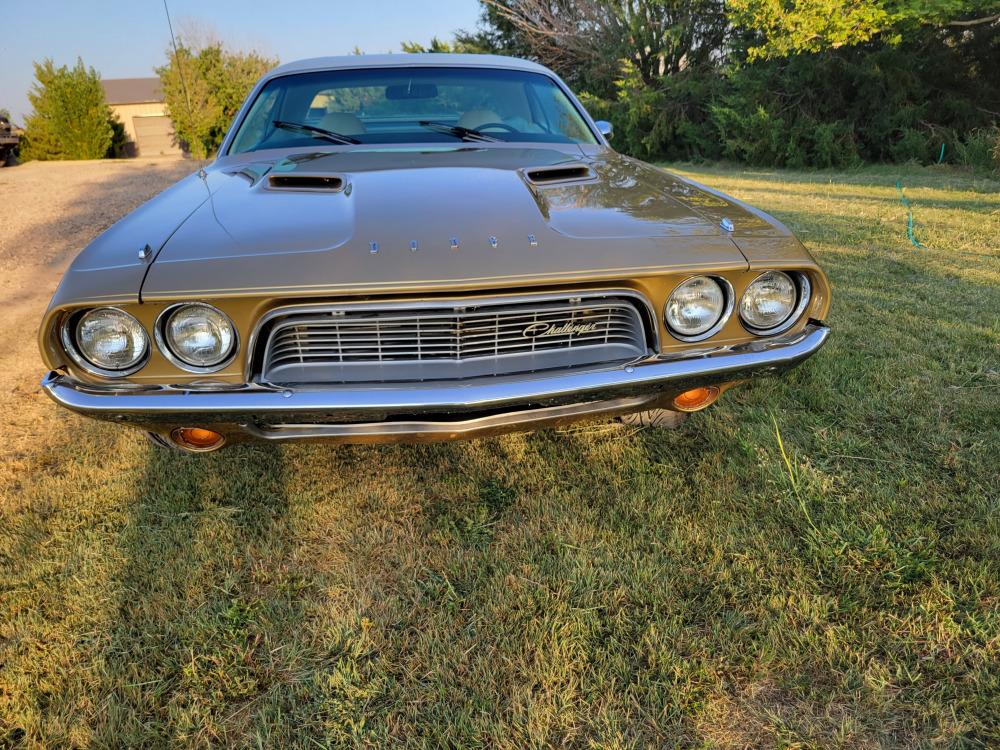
[
  {"x": 695, "y": 307},
  {"x": 768, "y": 301},
  {"x": 198, "y": 335},
  {"x": 109, "y": 339}
]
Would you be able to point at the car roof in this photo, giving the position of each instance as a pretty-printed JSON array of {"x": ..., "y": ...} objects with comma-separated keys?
[{"x": 424, "y": 59}]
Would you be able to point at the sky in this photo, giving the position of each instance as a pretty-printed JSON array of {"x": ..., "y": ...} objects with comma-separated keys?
[{"x": 128, "y": 39}]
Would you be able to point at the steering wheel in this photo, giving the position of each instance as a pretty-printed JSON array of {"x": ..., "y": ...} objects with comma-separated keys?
[{"x": 501, "y": 125}]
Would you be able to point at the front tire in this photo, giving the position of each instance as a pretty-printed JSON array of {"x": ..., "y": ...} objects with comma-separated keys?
[
  {"x": 662, "y": 418},
  {"x": 161, "y": 443}
]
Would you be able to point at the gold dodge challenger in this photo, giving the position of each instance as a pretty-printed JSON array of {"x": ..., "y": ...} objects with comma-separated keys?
[{"x": 423, "y": 247}]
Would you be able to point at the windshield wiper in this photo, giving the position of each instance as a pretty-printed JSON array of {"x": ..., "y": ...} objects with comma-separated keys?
[
  {"x": 315, "y": 132},
  {"x": 466, "y": 134}
]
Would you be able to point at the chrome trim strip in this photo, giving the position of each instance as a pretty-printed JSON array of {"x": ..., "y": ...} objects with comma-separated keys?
[
  {"x": 430, "y": 430},
  {"x": 652, "y": 329},
  {"x": 654, "y": 375}
]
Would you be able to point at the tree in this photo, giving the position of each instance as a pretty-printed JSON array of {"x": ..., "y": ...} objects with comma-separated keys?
[
  {"x": 773, "y": 82},
  {"x": 794, "y": 26},
  {"x": 464, "y": 42},
  {"x": 587, "y": 40},
  {"x": 205, "y": 88},
  {"x": 70, "y": 118}
]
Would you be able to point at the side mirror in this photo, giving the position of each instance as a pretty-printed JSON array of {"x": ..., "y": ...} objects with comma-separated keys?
[{"x": 605, "y": 129}]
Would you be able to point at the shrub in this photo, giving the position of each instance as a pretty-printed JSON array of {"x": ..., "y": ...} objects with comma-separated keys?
[
  {"x": 979, "y": 149},
  {"x": 911, "y": 145},
  {"x": 204, "y": 89},
  {"x": 70, "y": 118},
  {"x": 667, "y": 120},
  {"x": 877, "y": 102}
]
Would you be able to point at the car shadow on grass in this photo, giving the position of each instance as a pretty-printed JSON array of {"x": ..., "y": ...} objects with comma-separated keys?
[{"x": 208, "y": 590}]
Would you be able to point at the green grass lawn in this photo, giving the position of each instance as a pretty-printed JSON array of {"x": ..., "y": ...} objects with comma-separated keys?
[{"x": 594, "y": 587}]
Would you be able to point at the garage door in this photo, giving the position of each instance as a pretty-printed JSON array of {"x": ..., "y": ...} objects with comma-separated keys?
[{"x": 154, "y": 135}]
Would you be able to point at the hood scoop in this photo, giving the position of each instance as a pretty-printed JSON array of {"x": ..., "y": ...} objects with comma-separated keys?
[
  {"x": 560, "y": 174},
  {"x": 322, "y": 183}
]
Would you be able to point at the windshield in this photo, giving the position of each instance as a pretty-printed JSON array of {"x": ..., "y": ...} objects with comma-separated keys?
[{"x": 410, "y": 105}]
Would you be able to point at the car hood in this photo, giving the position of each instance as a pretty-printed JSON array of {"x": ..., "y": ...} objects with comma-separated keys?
[{"x": 359, "y": 221}]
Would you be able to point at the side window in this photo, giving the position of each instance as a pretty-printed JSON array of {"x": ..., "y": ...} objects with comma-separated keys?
[{"x": 256, "y": 123}]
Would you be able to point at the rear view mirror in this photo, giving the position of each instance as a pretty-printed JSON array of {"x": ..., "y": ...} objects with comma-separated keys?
[
  {"x": 605, "y": 129},
  {"x": 411, "y": 91}
]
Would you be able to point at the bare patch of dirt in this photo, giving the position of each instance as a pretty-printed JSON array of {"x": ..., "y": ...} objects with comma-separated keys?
[{"x": 49, "y": 211}]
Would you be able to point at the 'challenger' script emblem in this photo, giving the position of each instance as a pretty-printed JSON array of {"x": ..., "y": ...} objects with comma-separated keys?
[{"x": 538, "y": 330}]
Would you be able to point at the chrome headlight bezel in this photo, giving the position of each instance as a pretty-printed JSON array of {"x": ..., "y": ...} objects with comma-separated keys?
[
  {"x": 803, "y": 290},
  {"x": 68, "y": 330},
  {"x": 729, "y": 303},
  {"x": 162, "y": 343}
]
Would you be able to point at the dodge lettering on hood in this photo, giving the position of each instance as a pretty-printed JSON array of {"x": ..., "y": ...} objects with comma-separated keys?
[{"x": 423, "y": 247}]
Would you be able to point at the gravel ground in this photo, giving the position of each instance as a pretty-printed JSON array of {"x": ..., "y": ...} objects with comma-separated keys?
[{"x": 48, "y": 212}]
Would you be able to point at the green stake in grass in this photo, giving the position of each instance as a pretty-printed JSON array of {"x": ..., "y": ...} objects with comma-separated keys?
[{"x": 909, "y": 212}]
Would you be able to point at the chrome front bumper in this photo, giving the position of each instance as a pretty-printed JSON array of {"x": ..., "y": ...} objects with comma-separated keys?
[{"x": 432, "y": 411}]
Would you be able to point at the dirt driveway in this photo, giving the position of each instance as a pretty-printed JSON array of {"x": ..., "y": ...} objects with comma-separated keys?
[{"x": 48, "y": 212}]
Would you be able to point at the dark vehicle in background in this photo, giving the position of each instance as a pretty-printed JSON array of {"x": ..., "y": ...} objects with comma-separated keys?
[{"x": 8, "y": 142}]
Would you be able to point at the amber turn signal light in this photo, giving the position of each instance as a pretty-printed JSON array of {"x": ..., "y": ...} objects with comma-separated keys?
[
  {"x": 197, "y": 439},
  {"x": 696, "y": 398}
]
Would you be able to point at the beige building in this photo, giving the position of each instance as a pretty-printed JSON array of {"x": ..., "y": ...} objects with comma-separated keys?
[{"x": 138, "y": 104}]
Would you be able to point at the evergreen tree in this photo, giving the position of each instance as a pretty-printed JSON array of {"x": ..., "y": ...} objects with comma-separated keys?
[
  {"x": 70, "y": 118},
  {"x": 205, "y": 88}
]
